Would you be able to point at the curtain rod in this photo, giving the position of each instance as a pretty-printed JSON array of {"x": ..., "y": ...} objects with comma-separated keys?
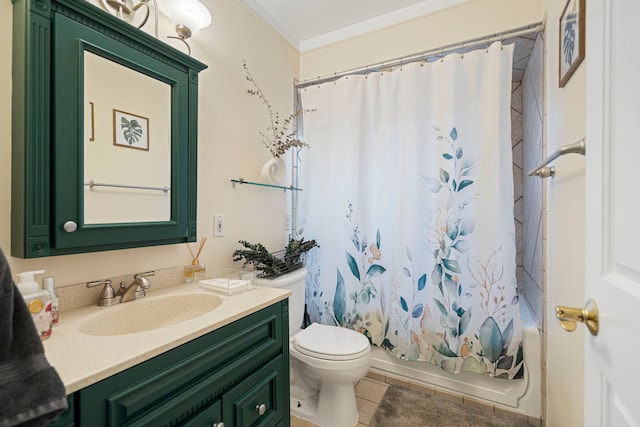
[{"x": 443, "y": 50}]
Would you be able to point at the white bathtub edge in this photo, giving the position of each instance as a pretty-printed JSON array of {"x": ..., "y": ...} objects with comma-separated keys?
[{"x": 523, "y": 396}]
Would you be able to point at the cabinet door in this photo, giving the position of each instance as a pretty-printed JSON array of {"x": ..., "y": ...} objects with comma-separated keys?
[
  {"x": 75, "y": 159},
  {"x": 257, "y": 400},
  {"x": 211, "y": 416}
]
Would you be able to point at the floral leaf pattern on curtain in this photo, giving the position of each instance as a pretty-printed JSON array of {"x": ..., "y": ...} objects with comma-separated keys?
[
  {"x": 451, "y": 346},
  {"x": 422, "y": 261}
]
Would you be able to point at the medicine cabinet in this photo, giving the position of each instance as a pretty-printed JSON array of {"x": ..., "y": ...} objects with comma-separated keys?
[{"x": 104, "y": 149}]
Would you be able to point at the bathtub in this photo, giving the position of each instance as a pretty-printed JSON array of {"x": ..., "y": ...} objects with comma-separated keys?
[{"x": 523, "y": 396}]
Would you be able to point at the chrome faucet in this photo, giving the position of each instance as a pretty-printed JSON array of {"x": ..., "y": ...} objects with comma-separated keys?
[{"x": 136, "y": 288}]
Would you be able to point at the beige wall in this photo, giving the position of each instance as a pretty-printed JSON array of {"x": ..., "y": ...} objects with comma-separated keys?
[
  {"x": 566, "y": 124},
  {"x": 5, "y": 124},
  {"x": 471, "y": 20},
  {"x": 229, "y": 147}
]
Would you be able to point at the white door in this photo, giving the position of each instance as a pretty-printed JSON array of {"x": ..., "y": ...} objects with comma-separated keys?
[{"x": 612, "y": 358}]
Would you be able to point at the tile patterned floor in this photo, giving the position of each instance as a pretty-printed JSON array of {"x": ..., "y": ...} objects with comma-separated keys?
[{"x": 371, "y": 389}]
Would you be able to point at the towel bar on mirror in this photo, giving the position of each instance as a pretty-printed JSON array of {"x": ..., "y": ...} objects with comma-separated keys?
[
  {"x": 544, "y": 171},
  {"x": 92, "y": 184}
]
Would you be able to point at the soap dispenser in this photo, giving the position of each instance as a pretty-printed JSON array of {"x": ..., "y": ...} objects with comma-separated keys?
[{"x": 38, "y": 302}]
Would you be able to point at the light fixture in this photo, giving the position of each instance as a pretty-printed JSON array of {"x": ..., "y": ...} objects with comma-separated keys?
[
  {"x": 126, "y": 10},
  {"x": 189, "y": 16}
]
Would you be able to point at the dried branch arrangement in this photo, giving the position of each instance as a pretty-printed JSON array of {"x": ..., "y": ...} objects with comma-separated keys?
[{"x": 278, "y": 138}]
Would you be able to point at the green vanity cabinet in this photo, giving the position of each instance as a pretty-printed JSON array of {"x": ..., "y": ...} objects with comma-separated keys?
[{"x": 238, "y": 375}]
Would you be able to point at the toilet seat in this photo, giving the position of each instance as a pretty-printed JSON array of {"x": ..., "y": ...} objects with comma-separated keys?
[{"x": 331, "y": 343}]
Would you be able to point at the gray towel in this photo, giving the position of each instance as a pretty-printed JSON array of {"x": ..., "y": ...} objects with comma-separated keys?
[{"x": 31, "y": 392}]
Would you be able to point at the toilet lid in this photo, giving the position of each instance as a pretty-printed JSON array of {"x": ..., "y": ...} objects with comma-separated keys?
[{"x": 331, "y": 342}]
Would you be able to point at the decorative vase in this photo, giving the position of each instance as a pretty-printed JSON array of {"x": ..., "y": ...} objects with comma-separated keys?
[{"x": 273, "y": 171}]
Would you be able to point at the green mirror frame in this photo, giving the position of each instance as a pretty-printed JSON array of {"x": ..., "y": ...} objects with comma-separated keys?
[{"x": 49, "y": 41}]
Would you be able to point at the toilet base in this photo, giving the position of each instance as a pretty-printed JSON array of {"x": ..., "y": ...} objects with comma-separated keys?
[
  {"x": 303, "y": 409},
  {"x": 334, "y": 406}
]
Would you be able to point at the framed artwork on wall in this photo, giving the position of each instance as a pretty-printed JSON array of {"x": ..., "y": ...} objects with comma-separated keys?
[
  {"x": 572, "y": 39},
  {"x": 130, "y": 130}
]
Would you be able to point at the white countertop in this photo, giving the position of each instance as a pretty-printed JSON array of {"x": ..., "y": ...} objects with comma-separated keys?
[{"x": 82, "y": 360}]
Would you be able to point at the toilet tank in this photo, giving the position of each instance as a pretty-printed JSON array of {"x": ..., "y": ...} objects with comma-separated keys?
[{"x": 294, "y": 282}]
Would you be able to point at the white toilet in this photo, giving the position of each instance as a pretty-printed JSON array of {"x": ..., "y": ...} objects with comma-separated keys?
[{"x": 326, "y": 362}]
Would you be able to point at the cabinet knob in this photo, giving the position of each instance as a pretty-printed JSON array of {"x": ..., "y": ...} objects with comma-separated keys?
[
  {"x": 70, "y": 226},
  {"x": 261, "y": 409},
  {"x": 218, "y": 424}
]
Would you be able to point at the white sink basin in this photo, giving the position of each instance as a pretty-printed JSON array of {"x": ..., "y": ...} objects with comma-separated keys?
[{"x": 149, "y": 313}]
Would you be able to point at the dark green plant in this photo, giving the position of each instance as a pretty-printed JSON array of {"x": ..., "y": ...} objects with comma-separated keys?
[{"x": 274, "y": 264}]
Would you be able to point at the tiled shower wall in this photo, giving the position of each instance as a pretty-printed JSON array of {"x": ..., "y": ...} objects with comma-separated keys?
[
  {"x": 517, "y": 154},
  {"x": 529, "y": 148},
  {"x": 527, "y": 110},
  {"x": 533, "y": 273},
  {"x": 533, "y": 269}
]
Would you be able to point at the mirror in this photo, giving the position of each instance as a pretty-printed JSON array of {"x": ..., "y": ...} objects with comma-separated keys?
[
  {"x": 127, "y": 120},
  {"x": 104, "y": 133}
]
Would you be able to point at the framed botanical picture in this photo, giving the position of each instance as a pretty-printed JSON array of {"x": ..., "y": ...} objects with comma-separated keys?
[
  {"x": 130, "y": 130},
  {"x": 572, "y": 38}
]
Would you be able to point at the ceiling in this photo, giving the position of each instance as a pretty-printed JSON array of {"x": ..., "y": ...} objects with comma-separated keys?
[{"x": 310, "y": 24}]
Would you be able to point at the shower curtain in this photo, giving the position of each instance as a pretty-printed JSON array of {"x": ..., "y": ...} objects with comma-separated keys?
[{"x": 408, "y": 189}]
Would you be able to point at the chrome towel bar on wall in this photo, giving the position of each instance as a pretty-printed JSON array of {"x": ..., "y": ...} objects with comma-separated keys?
[{"x": 544, "y": 171}]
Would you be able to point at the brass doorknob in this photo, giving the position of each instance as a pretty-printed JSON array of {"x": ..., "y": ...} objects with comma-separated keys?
[{"x": 569, "y": 317}]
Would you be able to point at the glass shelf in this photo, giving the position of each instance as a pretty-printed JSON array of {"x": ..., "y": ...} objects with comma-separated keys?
[{"x": 260, "y": 184}]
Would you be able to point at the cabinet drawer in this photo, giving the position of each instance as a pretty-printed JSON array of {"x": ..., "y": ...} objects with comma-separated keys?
[
  {"x": 241, "y": 406},
  {"x": 210, "y": 416},
  {"x": 181, "y": 407}
]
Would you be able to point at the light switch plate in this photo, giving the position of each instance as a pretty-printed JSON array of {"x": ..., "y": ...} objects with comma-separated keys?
[{"x": 218, "y": 225}]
